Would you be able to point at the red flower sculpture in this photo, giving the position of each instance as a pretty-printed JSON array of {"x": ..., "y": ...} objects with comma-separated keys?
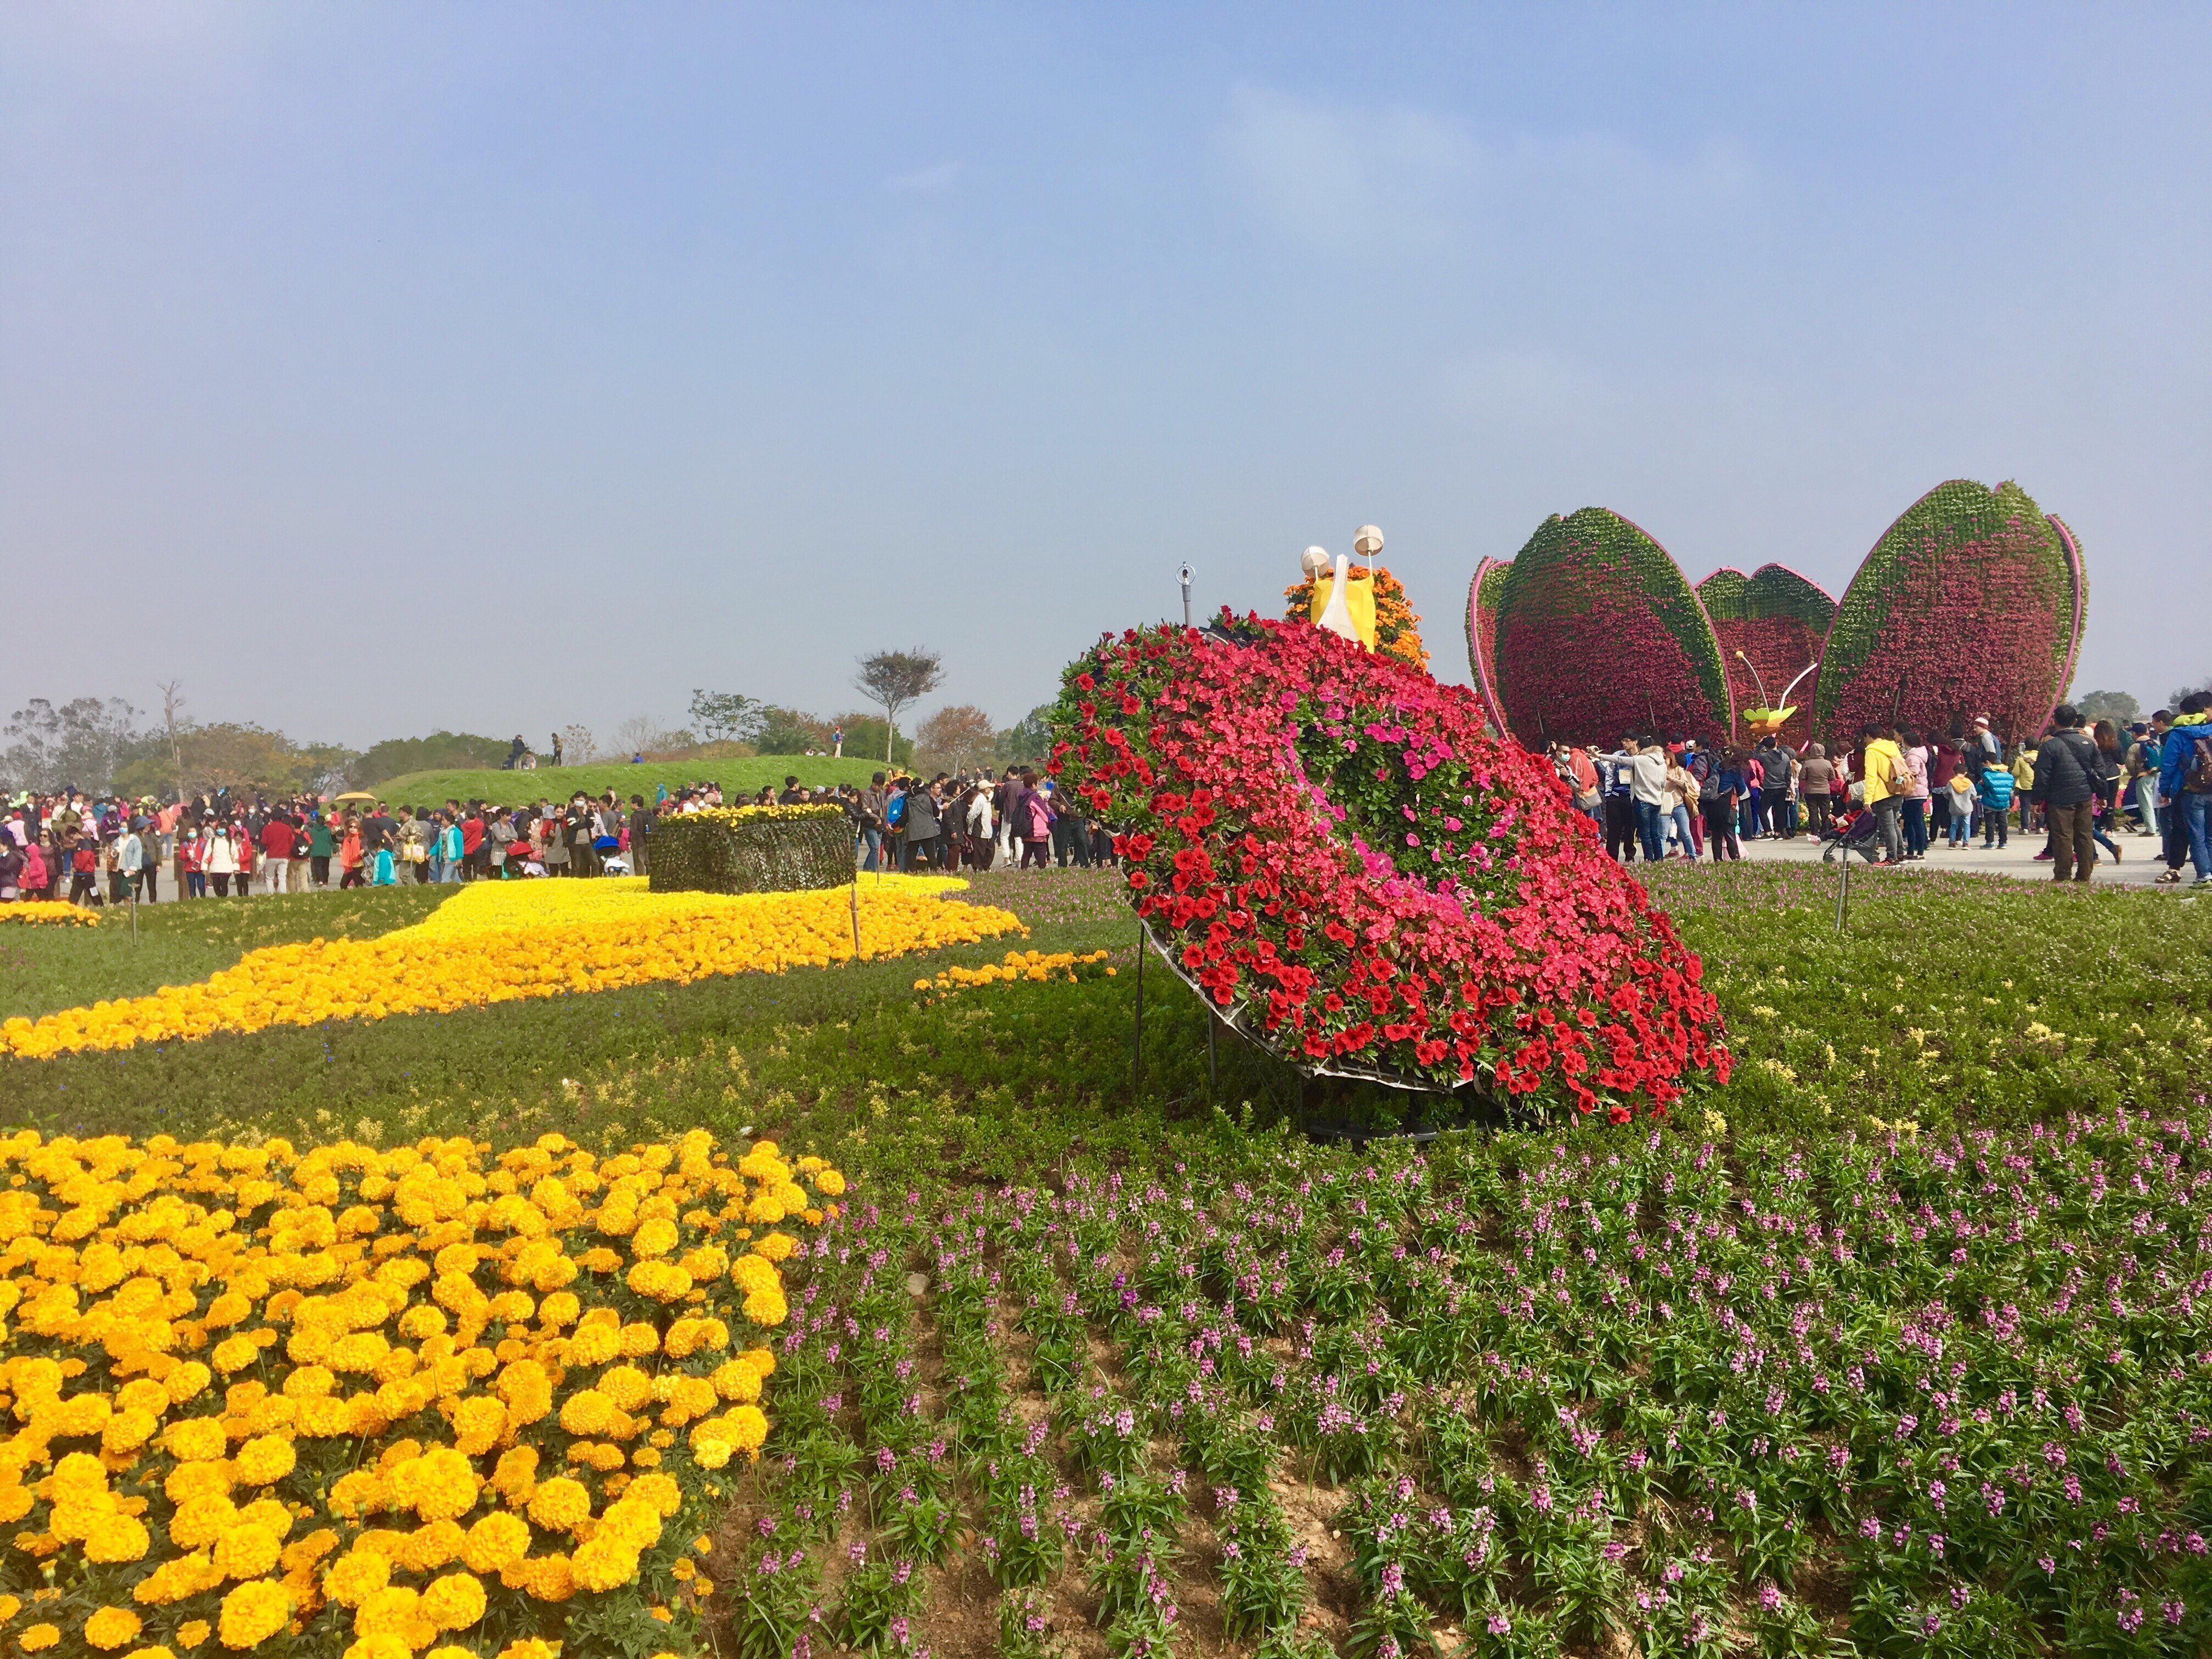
[
  {"x": 1363, "y": 881},
  {"x": 1971, "y": 603},
  {"x": 1599, "y": 633},
  {"x": 1774, "y": 622}
]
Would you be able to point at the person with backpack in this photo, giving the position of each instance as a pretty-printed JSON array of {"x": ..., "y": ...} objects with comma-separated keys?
[
  {"x": 1718, "y": 791},
  {"x": 1618, "y": 769},
  {"x": 2068, "y": 772},
  {"x": 84, "y": 870},
  {"x": 2185, "y": 783},
  {"x": 2023, "y": 777},
  {"x": 920, "y": 828},
  {"x": 1681, "y": 809},
  {"x": 1958, "y": 807},
  {"x": 1573, "y": 767},
  {"x": 1002, "y": 805},
  {"x": 2143, "y": 774},
  {"x": 1033, "y": 823},
  {"x": 2112, "y": 765},
  {"x": 1889, "y": 781},
  {"x": 1994, "y": 790}
]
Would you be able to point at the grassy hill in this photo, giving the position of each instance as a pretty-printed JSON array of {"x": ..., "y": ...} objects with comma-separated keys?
[{"x": 560, "y": 783}]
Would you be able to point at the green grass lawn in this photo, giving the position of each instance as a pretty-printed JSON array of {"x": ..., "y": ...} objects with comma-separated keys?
[
  {"x": 740, "y": 776},
  {"x": 1948, "y": 1000},
  {"x": 1520, "y": 1390}
]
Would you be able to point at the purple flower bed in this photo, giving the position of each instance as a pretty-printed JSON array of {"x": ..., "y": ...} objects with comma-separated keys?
[{"x": 1931, "y": 1394}]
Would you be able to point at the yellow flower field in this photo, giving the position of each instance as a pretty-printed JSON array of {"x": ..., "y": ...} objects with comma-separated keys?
[
  {"x": 503, "y": 941},
  {"x": 1018, "y": 964},
  {"x": 383, "y": 1400},
  {"x": 49, "y": 912}
]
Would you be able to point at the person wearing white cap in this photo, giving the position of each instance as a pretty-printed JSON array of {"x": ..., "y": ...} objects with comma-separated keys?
[{"x": 1991, "y": 749}]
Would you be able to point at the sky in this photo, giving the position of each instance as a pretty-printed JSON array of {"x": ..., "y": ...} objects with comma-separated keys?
[{"x": 375, "y": 369}]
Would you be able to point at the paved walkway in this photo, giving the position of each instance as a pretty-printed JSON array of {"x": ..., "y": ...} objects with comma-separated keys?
[{"x": 2139, "y": 864}]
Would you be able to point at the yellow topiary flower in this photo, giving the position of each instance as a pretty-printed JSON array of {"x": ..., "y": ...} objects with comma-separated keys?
[
  {"x": 606, "y": 1562},
  {"x": 265, "y": 1460},
  {"x": 356, "y": 1577},
  {"x": 111, "y": 1627},
  {"x": 454, "y": 1601},
  {"x": 559, "y": 1504},
  {"x": 245, "y": 1551},
  {"x": 586, "y": 1411},
  {"x": 253, "y": 1613},
  {"x": 497, "y": 1541}
]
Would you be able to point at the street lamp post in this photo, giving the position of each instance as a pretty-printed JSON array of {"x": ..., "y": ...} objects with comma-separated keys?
[{"x": 1185, "y": 576}]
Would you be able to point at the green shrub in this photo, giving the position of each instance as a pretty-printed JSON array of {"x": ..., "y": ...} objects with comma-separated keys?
[{"x": 783, "y": 850}]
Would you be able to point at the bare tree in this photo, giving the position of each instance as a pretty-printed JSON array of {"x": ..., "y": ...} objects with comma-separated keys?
[
  {"x": 894, "y": 680},
  {"x": 172, "y": 720},
  {"x": 954, "y": 738},
  {"x": 642, "y": 734},
  {"x": 577, "y": 744}
]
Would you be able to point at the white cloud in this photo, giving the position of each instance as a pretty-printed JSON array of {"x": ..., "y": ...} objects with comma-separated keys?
[
  {"x": 1346, "y": 179},
  {"x": 929, "y": 180}
]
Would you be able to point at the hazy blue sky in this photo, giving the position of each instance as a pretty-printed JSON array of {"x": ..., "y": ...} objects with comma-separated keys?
[{"x": 377, "y": 369}]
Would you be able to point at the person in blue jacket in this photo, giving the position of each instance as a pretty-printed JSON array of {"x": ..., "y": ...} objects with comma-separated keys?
[
  {"x": 2192, "y": 807},
  {"x": 1994, "y": 790}
]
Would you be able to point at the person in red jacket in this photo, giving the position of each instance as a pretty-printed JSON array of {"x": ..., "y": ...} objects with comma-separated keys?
[
  {"x": 472, "y": 834},
  {"x": 277, "y": 839}
]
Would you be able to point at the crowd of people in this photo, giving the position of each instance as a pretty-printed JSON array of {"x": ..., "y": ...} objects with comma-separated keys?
[
  {"x": 2081, "y": 784},
  {"x": 973, "y": 821},
  {"x": 112, "y": 849},
  {"x": 1902, "y": 792},
  {"x": 107, "y": 850}
]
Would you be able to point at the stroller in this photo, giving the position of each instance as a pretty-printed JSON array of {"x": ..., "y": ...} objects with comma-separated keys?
[{"x": 1853, "y": 832}]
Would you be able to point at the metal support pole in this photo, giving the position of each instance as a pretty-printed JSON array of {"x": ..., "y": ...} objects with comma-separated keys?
[
  {"x": 1137, "y": 1040},
  {"x": 1843, "y": 891},
  {"x": 856, "y": 918},
  {"x": 1212, "y": 1069},
  {"x": 1185, "y": 576}
]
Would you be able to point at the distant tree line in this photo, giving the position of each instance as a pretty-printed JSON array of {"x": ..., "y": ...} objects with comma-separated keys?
[{"x": 108, "y": 745}]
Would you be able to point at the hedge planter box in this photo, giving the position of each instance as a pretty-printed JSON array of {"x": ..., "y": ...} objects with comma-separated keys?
[{"x": 755, "y": 849}]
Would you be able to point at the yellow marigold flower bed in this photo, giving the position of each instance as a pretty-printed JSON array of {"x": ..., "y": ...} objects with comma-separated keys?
[
  {"x": 376, "y": 1399},
  {"x": 771, "y": 814},
  {"x": 502, "y": 941},
  {"x": 51, "y": 912},
  {"x": 1018, "y": 964}
]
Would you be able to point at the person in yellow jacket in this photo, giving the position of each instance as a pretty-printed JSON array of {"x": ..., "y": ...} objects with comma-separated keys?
[
  {"x": 2023, "y": 775},
  {"x": 1889, "y": 780}
]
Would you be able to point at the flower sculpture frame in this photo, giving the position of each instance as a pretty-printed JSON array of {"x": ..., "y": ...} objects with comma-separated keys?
[
  {"x": 2077, "y": 575},
  {"x": 1599, "y": 633},
  {"x": 1970, "y": 602},
  {"x": 1357, "y": 877},
  {"x": 1482, "y": 596}
]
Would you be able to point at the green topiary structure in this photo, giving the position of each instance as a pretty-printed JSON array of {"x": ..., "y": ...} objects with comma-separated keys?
[
  {"x": 1972, "y": 602},
  {"x": 753, "y": 850},
  {"x": 1599, "y": 633}
]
